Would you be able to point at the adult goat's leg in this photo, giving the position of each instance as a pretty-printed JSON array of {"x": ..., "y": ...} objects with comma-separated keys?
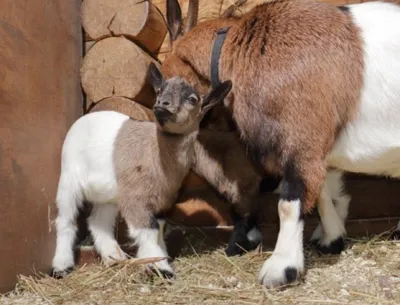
[
  {"x": 301, "y": 185},
  {"x": 333, "y": 208}
]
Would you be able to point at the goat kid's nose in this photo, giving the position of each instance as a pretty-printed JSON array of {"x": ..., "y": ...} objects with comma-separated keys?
[
  {"x": 163, "y": 103},
  {"x": 162, "y": 114}
]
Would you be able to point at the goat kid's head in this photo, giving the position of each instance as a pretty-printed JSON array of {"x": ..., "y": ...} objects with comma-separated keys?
[{"x": 179, "y": 108}]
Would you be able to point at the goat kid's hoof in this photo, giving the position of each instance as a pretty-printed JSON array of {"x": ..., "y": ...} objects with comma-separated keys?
[
  {"x": 60, "y": 274},
  {"x": 279, "y": 271},
  {"x": 151, "y": 270}
]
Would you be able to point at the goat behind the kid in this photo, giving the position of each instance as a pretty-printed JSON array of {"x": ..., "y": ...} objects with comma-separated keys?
[{"x": 314, "y": 86}]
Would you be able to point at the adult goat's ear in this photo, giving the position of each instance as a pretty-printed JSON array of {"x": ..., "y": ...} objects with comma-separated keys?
[
  {"x": 155, "y": 78},
  {"x": 192, "y": 15},
  {"x": 216, "y": 95},
  {"x": 174, "y": 19}
]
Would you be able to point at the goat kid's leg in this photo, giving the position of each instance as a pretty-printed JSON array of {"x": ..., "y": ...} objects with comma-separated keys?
[
  {"x": 245, "y": 236},
  {"x": 298, "y": 195},
  {"x": 161, "y": 235},
  {"x": 144, "y": 229},
  {"x": 329, "y": 234},
  {"x": 147, "y": 240},
  {"x": 101, "y": 223},
  {"x": 68, "y": 203}
]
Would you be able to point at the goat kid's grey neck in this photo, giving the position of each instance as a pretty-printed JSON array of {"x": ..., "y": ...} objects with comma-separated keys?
[
  {"x": 176, "y": 140},
  {"x": 216, "y": 54}
]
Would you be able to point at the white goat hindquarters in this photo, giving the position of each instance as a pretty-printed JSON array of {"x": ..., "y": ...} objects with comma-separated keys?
[
  {"x": 87, "y": 173},
  {"x": 370, "y": 143}
]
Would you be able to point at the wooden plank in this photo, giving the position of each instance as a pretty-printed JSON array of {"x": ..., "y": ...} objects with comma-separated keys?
[
  {"x": 212, "y": 238},
  {"x": 41, "y": 45},
  {"x": 372, "y": 198}
]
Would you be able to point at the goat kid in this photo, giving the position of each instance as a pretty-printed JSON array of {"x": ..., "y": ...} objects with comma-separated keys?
[
  {"x": 135, "y": 167},
  {"x": 314, "y": 86}
]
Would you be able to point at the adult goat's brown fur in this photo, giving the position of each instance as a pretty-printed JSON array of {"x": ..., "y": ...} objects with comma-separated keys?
[
  {"x": 283, "y": 100},
  {"x": 297, "y": 73}
]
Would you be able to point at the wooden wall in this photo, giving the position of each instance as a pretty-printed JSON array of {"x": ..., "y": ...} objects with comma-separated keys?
[{"x": 40, "y": 97}]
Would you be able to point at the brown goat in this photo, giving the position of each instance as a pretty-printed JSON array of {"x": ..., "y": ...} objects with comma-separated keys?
[
  {"x": 297, "y": 69},
  {"x": 221, "y": 159}
]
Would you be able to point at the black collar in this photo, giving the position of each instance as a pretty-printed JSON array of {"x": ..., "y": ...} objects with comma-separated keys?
[{"x": 216, "y": 53}]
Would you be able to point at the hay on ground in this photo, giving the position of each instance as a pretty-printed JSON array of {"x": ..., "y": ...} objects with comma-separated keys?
[{"x": 368, "y": 272}]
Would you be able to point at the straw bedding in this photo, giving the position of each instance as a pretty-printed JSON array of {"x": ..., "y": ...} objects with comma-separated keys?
[{"x": 368, "y": 272}]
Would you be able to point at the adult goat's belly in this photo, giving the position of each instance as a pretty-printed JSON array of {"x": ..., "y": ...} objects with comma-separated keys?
[{"x": 371, "y": 142}]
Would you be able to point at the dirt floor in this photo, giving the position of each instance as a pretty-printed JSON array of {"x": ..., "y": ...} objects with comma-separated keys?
[{"x": 368, "y": 272}]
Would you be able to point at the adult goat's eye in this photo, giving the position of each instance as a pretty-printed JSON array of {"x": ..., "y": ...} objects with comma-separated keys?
[{"x": 192, "y": 99}]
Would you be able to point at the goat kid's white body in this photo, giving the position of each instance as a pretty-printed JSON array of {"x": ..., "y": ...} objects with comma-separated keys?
[
  {"x": 87, "y": 158},
  {"x": 371, "y": 143},
  {"x": 87, "y": 173}
]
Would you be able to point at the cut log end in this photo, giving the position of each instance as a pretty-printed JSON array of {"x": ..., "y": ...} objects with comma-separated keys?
[
  {"x": 125, "y": 106},
  {"x": 117, "y": 67},
  {"x": 138, "y": 20}
]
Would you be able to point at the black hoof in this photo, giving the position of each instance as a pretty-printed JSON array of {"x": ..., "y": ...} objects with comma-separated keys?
[
  {"x": 395, "y": 235},
  {"x": 158, "y": 272},
  {"x": 335, "y": 247},
  {"x": 241, "y": 248},
  {"x": 314, "y": 242},
  {"x": 61, "y": 273},
  {"x": 291, "y": 275},
  {"x": 233, "y": 250}
]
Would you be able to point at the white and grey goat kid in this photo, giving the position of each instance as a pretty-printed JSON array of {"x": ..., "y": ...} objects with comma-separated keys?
[{"x": 137, "y": 168}]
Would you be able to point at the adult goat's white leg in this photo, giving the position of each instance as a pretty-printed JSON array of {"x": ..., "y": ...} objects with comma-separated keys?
[
  {"x": 333, "y": 209},
  {"x": 68, "y": 202},
  {"x": 396, "y": 233},
  {"x": 301, "y": 184},
  {"x": 101, "y": 224}
]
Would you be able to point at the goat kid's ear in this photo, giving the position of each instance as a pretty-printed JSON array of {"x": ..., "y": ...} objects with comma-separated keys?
[
  {"x": 155, "y": 77},
  {"x": 216, "y": 95},
  {"x": 174, "y": 19}
]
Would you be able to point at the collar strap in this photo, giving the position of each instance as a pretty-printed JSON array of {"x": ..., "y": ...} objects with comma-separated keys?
[{"x": 215, "y": 55}]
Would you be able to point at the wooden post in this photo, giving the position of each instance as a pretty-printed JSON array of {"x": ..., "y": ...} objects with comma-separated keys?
[{"x": 40, "y": 97}]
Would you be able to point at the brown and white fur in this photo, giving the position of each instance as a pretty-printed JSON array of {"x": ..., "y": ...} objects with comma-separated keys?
[
  {"x": 221, "y": 158},
  {"x": 314, "y": 86},
  {"x": 137, "y": 168}
]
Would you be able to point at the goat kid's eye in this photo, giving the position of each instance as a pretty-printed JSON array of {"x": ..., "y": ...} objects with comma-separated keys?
[{"x": 192, "y": 100}]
